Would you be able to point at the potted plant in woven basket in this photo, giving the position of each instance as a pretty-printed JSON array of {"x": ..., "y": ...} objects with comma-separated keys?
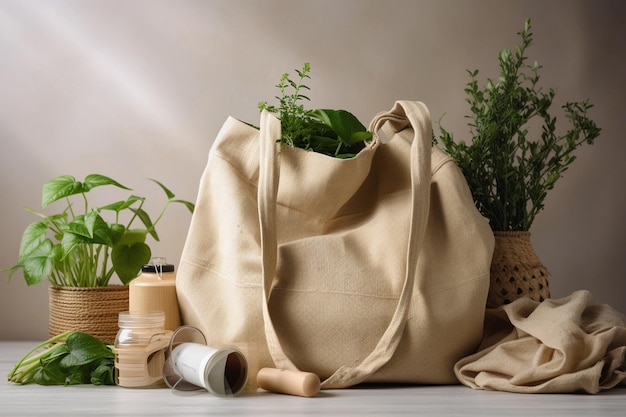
[
  {"x": 79, "y": 248},
  {"x": 509, "y": 170}
]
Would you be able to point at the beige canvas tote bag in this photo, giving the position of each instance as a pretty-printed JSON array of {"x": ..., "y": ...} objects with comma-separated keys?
[{"x": 370, "y": 269}]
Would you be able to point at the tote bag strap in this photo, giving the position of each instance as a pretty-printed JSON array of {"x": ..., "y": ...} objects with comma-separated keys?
[{"x": 402, "y": 114}]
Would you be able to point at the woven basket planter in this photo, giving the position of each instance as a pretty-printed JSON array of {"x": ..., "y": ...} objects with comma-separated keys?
[
  {"x": 516, "y": 271},
  {"x": 92, "y": 310}
]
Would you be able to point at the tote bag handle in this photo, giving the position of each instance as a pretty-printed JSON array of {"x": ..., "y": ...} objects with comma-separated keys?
[{"x": 403, "y": 113}]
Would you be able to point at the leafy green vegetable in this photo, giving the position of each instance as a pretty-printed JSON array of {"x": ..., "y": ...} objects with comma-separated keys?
[
  {"x": 335, "y": 133},
  {"x": 509, "y": 173},
  {"x": 80, "y": 359}
]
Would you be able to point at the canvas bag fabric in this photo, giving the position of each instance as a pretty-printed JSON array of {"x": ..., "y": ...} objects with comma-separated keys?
[
  {"x": 369, "y": 269},
  {"x": 569, "y": 344}
]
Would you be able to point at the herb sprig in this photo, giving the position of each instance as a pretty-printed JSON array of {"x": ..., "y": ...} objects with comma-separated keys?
[
  {"x": 336, "y": 133},
  {"x": 508, "y": 173}
]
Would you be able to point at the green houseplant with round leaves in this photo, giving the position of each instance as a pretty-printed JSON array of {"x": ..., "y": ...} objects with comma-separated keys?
[{"x": 81, "y": 245}]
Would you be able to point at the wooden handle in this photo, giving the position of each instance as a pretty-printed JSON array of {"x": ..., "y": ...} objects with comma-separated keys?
[{"x": 303, "y": 384}]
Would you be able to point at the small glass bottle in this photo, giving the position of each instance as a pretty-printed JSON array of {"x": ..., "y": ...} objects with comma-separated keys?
[{"x": 140, "y": 348}]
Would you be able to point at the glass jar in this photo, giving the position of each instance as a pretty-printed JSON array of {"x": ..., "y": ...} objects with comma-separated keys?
[{"x": 140, "y": 348}]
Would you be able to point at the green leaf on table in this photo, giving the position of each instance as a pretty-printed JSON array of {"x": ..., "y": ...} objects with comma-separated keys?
[{"x": 84, "y": 348}]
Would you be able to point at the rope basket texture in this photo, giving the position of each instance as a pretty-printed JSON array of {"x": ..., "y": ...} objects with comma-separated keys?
[
  {"x": 516, "y": 271},
  {"x": 92, "y": 310}
]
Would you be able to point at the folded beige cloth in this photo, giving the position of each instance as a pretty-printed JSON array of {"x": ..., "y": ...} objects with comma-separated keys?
[{"x": 560, "y": 345}]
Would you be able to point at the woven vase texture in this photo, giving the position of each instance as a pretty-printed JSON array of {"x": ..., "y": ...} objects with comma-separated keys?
[
  {"x": 92, "y": 310},
  {"x": 516, "y": 271}
]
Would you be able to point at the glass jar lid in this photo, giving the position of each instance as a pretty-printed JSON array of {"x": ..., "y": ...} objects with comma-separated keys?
[{"x": 141, "y": 319}]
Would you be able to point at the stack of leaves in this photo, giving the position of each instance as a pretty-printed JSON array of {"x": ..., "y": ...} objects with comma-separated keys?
[
  {"x": 336, "y": 133},
  {"x": 80, "y": 359}
]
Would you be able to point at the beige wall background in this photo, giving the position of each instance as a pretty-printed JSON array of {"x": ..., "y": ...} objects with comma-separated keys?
[{"x": 139, "y": 89}]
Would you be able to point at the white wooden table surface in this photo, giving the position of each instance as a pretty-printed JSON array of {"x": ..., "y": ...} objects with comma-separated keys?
[{"x": 88, "y": 400}]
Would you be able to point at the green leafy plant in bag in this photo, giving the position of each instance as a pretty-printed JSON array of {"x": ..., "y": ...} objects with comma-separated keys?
[{"x": 336, "y": 133}]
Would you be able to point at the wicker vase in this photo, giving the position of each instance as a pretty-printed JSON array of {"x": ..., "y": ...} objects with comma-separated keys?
[
  {"x": 92, "y": 310},
  {"x": 516, "y": 271}
]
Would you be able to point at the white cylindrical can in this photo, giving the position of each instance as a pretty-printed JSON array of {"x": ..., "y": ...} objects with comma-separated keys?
[{"x": 222, "y": 372}]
